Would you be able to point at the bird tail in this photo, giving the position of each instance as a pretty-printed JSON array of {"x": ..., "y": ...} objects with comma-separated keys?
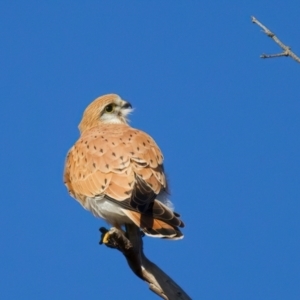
[{"x": 159, "y": 222}]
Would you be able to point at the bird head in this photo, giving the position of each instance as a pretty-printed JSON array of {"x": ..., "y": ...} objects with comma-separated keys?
[{"x": 107, "y": 109}]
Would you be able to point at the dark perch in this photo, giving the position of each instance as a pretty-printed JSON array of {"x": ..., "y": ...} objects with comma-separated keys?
[{"x": 132, "y": 248}]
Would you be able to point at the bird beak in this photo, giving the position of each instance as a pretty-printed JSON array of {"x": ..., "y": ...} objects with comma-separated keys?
[{"x": 126, "y": 105}]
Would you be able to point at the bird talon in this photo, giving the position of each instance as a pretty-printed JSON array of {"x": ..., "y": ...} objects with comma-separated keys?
[{"x": 104, "y": 236}]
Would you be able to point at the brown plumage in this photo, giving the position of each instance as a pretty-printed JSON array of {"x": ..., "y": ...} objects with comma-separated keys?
[{"x": 116, "y": 171}]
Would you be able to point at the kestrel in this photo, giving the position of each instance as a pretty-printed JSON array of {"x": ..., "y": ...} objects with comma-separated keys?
[{"x": 116, "y": 171}]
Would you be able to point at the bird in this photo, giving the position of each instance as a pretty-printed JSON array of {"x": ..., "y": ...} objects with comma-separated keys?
[{"x": 116, "y": 171}]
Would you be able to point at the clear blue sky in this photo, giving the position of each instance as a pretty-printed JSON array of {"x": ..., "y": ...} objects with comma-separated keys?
[{"x": 227, "y": 122}]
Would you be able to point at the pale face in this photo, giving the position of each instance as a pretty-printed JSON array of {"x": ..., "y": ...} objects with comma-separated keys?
[{"x": 115, "y": 112}]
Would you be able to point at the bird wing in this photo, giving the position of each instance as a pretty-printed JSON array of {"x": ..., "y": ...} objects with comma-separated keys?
[{"x": 117, "y": 161}]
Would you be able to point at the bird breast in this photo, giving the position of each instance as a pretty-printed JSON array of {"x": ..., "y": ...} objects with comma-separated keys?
[{"x": 107, "y": 210}]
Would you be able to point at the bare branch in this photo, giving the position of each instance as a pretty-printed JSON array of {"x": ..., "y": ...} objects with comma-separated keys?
[
  {"x": 132, "y": 248},
  {"x": 273, "y": 55},
  {"x": 286, "y": 49}
]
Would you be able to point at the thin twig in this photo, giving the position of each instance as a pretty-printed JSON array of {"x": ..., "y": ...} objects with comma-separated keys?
[
  {"x": 286, "y": 49},
  {"x": 131, "y": 246}
]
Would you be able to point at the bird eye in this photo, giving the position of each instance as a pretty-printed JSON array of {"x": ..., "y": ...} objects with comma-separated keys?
[{"x": 109, "y": 108}]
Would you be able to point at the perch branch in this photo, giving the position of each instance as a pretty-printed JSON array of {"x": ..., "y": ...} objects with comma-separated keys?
[
  {"x": 131, "y": 246},
  {"x": 286, "y": 49}
]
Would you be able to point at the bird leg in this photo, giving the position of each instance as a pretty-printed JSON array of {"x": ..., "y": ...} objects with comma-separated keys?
[{"x": 109, "y": 237}]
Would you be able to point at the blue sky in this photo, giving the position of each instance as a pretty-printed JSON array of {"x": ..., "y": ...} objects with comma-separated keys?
[{"x": 227, "y": 122}]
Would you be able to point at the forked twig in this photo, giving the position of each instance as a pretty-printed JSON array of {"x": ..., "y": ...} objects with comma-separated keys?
[
  {"x": 131, "y": 246},
  {"x": 286, "y": 49}
]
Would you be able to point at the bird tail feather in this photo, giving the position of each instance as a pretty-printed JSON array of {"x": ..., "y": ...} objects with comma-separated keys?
[{"x": 154, "y": 227}]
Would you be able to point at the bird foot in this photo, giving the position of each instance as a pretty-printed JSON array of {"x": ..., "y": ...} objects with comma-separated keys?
[
  {"x": 104, "y": 239},
  {"x": 110, "y": 237}
]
